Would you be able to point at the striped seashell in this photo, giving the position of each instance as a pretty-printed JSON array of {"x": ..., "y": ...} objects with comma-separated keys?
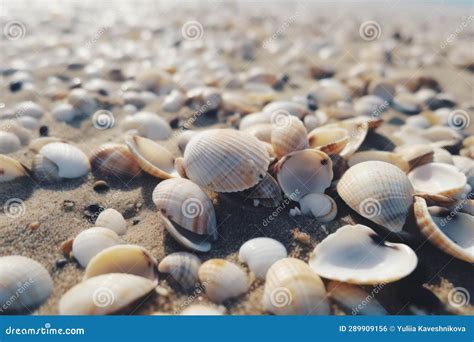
[{"x": 183, "y": 267}]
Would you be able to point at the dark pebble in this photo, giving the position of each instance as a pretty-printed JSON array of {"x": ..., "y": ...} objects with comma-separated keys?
[
  {"x": 92, "y": 211},
  {"x": 44, "y": 131},
  {"x": 61, "y": 263},
  {"x": 135, "y": 222},
  {"x": 101, "y": 186},
  {"x": 16, "y": 86}
]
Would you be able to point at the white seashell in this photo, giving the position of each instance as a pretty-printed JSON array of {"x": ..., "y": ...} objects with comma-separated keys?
[
  {"x": 292, "y": 288},
  {"x": 112, "y": 219},
  {"x": 286, "y": 108},
  {"x": 183, "y": 267},
  {"x": 25, "y": 283},
  {"x": 10, "y": 169},
  {"x": 207, "y": 98},
  {"x": 355, "y": 254},
  {"x": 105, "y": 294},
  {"x": 36, "y": 144},
  {"x": 238, "y": 103},
  {"x": 261, "y": 253},
  {"x": 81, "y": 100},
  {"x": 12, "y": 126},
  {"x": 91, "y": 241},
  {"x": 406, "y": 103},
  {"x": 288, "y": 134},
  {"x": 370, "y": 105},
  {"x": 201, "y": 310},
  {"x": 357, "y": 129},
  {"x": 28, "y": 122},
  {"x": 262, "y": 132},
  {"x": 114, "y": 160},
  {"x": 29, "y": 108},
  {"x": 148, "y": 125},
  {"x": 329, "y": 91},
  {"x": 355, "y": 300},
  {"x": 9, "y": 142},
  {"x": 440, "y": 155},
  {"x": 268, "y": 192},
  {"x": 466, "y": 166},
  {"x": 379, "y": 191},
  {"x": 311, "y": 122},
  {"x": 174, "y": 101},
  {"x": 437, "y": 178},
  {"x": 131, "y": 259},
  {"x": 222, "y": 280},
  {"x": 253, "y": 119},
  {"x": 321, "y": 206},
  {"x": 65, "y": 112},
  {"x": 184, "y": 139}
]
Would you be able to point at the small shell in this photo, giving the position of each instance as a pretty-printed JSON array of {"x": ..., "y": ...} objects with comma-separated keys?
[
  {"x": 28, "y": 122},
  {"x": 10, "y": 169},
  {"x": 437, "y": 178},
  {"x": 65, "y": 112},
  {"x": 370, "y": 105},
  {"x": 222, "y": 279},
  {"x": 379, "y": 191},
  {"x": 207, "y": 98},
  {"x": 354, "y": 254},
  {"x": 406, "y": 103},
  {"x": 238, "y": 103},
  {"x": 261, "y": 253},
  {"x": 304, "y": 172},
  {"x": 382, "y": 88},
  {"x": 286, "y": 108},
  {"x": 82, "y": 101},
  {"x": 225, "y": 160},
  {"x": 292, "y": 288},
  {"x": 25, "y": 283},
  {"x": 148, "y": 125},
  {"x": 91, "y": 241},
  {"x": 153, "y": 158},
  {"x": 112, "y": 219},
  {"x": 174, "y": 101},
  {"x": 355, "y": 300},
  {"x": 451, "y": 234},
  {"x": 105, "y": 294},
  {"x": 383, "y": 156},
  {"x": 183, "y": 267},
  {"x": 288, "y": 134},
  {"x": 262, "y": 132},
  {"x": 14, "y": 127},
  {"x": 328, "y": 140},
  {"x": 201, "y": 310},
  {"x": 131, "y": 259},
  {"x": 321, "y": 206},
  {"x": 416, "y": 155},
  {"x": 114, "y": 160},
  {"x": 254, "y": 119},
  {"x": 357, "y": 129},
  {"x": 9, "y": 142},
  {"x": 329, "y": 91},
  {"x": 29, "y": 108}
]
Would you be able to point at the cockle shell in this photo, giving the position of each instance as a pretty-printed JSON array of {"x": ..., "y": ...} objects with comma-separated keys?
[
  {"x": 112, "y": 219},
  {"x": 383, "y": 156},
  {"x": 438, "y": 178},
  {"x": 130, "y": 259},
  {"x": 321, "y": 206},
  {"x": 114, "y": 160},
  {"x": 357, "y": 129},
  {"x": 286, "y": 108},
  {"x": 9, "y": 142},
  {"x": 10, "y": 169},
  {"x": 225, "y": 160},
  {"x": 355, "y": 300},
  {"x": 452, "y": 234},
  {"x": 292, "y": 288},
  {"x": 379, "y": 191},
  {"x": 328, "y": 140},
  {"x": 356, "y": 255},
  {"x": 153, "y": 158},
  {"x": 183, "y": 203},
  {"x": 288, "y": 134},
  {"x": 261, "y": 253},
  {"x": 202, "y": 310},
  {"x": 91, "y": 241},
  {"x": 222, "y": 279},
  {"x": 183, "y": 267},
  {"x": 148, "y": 125},
  {"x": 25, "y": 283},
  {"x": 105, "y": 294}
]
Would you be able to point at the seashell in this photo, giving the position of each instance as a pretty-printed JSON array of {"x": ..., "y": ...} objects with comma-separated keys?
[
  {"x": 28, "y": 122},
  {"x": 82, "y": 101},
  {"x": 357, "y": 129},
  {"x": 355, "y": 300},
  {"x": 383, "y": 156},
  {"x": 286, "y": 108},
  {"x": 466, "y": 166},
  {"x": 9, "y": 143},
  {"x": 25, "y": 283},
  {"x": 58, "y": 160},
  {"x": 225, "y": 160},
  {"x": 183, "y": 267},
  {"x": 12, "y": 126},
  {"x": 292, "y": 288},
  {"x": 130, "y": 259},
  {"x": 222, "y": 280},
  {"x": 184, "y": 139},
  {"x": 238, "y": 103},
  {"x": 259, "y": 75},
  {"x": 112, "y": 219},
  {"x": 341, "y": 110},
  {"x": 451, "y": 234},
  {"x": 406, "y": 103},
  {"x": 321, "y": 206},
  {"x": 90, "y": 242},
  {"x": 261, "y": 253},
  {"x": 36, "y": 144},
  {"x": 312, "y": 121},
  {"x": 148, "y": 125},
  {"x": 114, "y": 160},
  {"x": 356, "y": 255},
  {"x": 382, "y": 88},
  {"x": 328, "y": 140},
  {"x": 262, "y": 132},
  {"x": 254, "y": 119},
  {"x": 329, "y": 91},
  {"x": 105, "y": 294},
  {"x": 267, "y": 191},
  {"x": 174, "y": 101},
  {"x": 155, "y": 80},
  {"x": 204, "y": 98},
  {"x": 437, "y": 178},
  {"x": 29, "y": 108},
  {"x": 370, "y": 105},
  {"x": 378, "y": 191},
  {"x": 288, "y": 134},
  {"x": 416, "y": 155},
  {"x": 183, "y": 203},
  {"x": 304, "y": 172},
  {"x": 10, "y": 169},
  {"x": 418, "y": 121},
  {"x": 65, "y": 112},
  {"x": 201, "y": 310}
]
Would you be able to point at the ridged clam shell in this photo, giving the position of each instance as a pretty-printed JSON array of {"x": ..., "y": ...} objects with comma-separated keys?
[
  {"x": 292, "y": 288},
  {"x": 321, "y": 206},
  {"x": 451, "y": 234},
  {"x": 148, "y": 125},
  {"x": 328, "y": 140},
  {"x": 261, "y": 253},
  {"x": 10, "y": 169},
  {"x": 201, "y": 310},
  {"x": 354, "y": 254},
  {"x": 131, "y": 259},
  {"x": 9, "y": 142},
  {"x": 91, "y": 241},
  {"x": 379, "y": 191},
  {"x": 222, "y": 279},
  {"x": 225, "y": 160},
  {"x": 438, "y": 178},
  {"x": 355, "y": 300},
  {"x": 183, "y": 267},
  {"x": 287, "y": 108},
  {"x": 114, "y": 160},
  {"x": 105, "y": 294},
  {"x": 383, "y": 156},
  {"x": 288, "y": 134},
  {"x": 112, "y": 219},
  {"x": 25, "y": 283}
]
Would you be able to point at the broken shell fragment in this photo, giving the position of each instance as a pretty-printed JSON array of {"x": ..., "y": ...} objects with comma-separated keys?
[
  {"x": 183, "y": 267},
  {"x": 261, "y": 253},
  {"x": 328, "y": 140},
  {"x": 114, "y": 160},
  {"x": 321, "y": 206},
  {"x": 10, "y": 169},
  {"x": 438, "y": 178},
  {"x": 112, "y": 219},
  {"x": 91, "y": 241}
]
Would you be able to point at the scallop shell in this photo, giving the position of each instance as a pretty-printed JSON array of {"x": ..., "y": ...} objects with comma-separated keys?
[
  {"x": 114, "y": 160},
  {"x": 379, "y": 191},
  {"x": 288, "y": 134},
  {"x": 25, "y": 283},
  {"x": 152, "y": 157},
  {"x": 292, "y": 288},
  {"x": 201, "y": 310},
  {"x": 105, "y": 294},
  {"x": 452, "y": 234},
  {"x": 148, "y": 125},
  {"x": 10, "y": 169},
  {"x": 9, "y": 142},
  {"x": 355, "y": 300},
  {"x": 131, "y": 259},
  {"x": 286, "y": 108},
  {"x": 225, "y": 160},
  {"x": 438, "y": 178},
  {"x": 356, "y": 255},
  {"x": 261, "y": 253},
  {"x": 91, "y": 241},
  {"x": 383, "y": 156},
  {"x": 328, "y": 140},
  {"x": 183, "y": 267},
  {"x": 321, "y": 206},
  {"x": 223, "y": 280},
  {"x": 112, "y": 219},
  {"x": 304, "y": 172}
]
